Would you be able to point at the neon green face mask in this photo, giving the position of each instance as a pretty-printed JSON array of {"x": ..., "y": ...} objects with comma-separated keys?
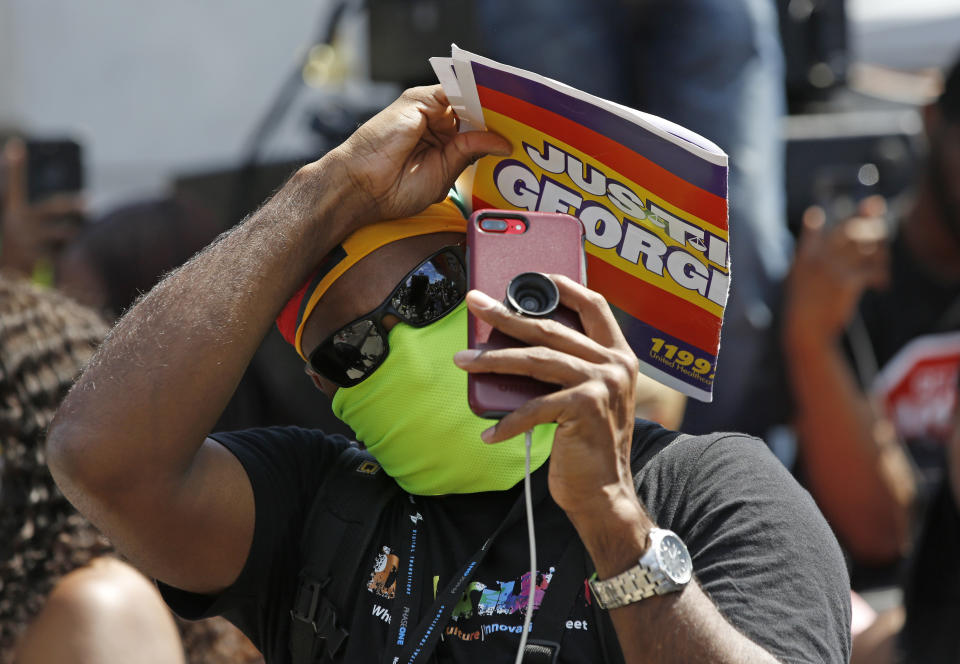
[{"x": 412, "y": 415}]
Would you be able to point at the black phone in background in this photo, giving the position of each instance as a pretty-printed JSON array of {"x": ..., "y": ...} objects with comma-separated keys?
[
  {"x": 53, "y": 167},
  {"x": 839, "y": 188}
]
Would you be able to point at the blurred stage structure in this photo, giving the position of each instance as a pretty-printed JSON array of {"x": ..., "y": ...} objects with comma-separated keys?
[
  {"x": 842, "y": 144},
  {"x": 402, "y": 35}
]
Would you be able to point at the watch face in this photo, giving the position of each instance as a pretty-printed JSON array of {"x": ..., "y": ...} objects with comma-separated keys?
[{"x": 674, "y": 559}]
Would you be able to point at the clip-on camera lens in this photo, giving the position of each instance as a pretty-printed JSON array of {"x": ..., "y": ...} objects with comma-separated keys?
[{"x": 532, "y": 294}]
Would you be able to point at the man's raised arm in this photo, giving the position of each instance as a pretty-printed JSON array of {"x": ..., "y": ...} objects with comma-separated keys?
[
  {"x": 856, "y": 467},
  {"x": 128, "y": 444}
]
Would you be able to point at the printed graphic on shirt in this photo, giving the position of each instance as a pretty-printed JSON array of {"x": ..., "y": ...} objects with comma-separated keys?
[
  {"x": 382, "y": 613},
  {"x": 918, "y": 387},
  {"x": 502, "y": 597},
  {"x": 484, "y": 605},
  {"x": 485, "y": 608},
  {"x": 383, "y": 578}
]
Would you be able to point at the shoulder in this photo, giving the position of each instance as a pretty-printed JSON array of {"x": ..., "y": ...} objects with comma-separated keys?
[
  {"x": 760, "y": 546},
  {"x": 290, "y": 451},
  {"x": 729, "y": 476},
  {"x": 681, "y": 476},
  {"x": 285, "y": 435},
  {"x": 106, "y": 611},
  {"x": 106, "y": 585},
  {"x": 657, "y": 451},
  {"x": 286, "y": 467}
]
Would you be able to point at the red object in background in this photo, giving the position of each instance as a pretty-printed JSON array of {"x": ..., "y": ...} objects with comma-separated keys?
[{"x": 918, "y": 387}]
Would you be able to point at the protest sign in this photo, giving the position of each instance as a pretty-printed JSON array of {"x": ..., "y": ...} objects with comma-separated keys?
[
  {"x": 651, "y": 195},
  {"x": 917, "y": 388}
]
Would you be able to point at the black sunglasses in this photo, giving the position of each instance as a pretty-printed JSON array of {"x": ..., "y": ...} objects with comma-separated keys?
[{"x": 428, "y": 293}]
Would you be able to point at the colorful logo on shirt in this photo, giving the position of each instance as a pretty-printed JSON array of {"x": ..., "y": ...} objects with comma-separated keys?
[
  {"x": 502, "y": 597},
  {"x": 383, "y": 578}
]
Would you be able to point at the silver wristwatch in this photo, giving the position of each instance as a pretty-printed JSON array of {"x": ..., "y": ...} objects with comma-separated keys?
[{"x": 664, "y": 568}]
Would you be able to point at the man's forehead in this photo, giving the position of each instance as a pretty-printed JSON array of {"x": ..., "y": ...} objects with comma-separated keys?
[{"x": 389, "y": 263}]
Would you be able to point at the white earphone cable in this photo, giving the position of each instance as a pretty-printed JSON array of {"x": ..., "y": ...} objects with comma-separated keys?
[{"x": 533, "y": 553}]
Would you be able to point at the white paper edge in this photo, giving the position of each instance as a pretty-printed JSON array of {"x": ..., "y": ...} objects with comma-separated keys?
[
  {"x": 468, "y": 87},
  {"x": 680, "y": 136},
  {"x": 443, "y": 68}
]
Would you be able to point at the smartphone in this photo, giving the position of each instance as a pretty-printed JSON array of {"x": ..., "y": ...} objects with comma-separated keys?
[
  {"x": 508, "y": 255},
  {"x": 53, "y": 167},
  {"x": 839, "y": 189}
]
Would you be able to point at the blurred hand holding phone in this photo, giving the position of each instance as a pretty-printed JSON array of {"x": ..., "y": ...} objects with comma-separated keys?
[
  {"x": 509, "y": 254},
  {"x": 42, "y": 207},
  {"x": 842, "y": 251},
  {"x": 840, "y": 189},
  {"x": 53, "y": 167}
]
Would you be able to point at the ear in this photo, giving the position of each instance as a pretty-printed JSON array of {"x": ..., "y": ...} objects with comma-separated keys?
[{"x": 320, "y": 382}]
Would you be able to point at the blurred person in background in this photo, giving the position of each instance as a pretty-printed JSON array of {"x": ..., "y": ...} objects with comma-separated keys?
[
  {"x": 103, "y": 613},
  {"x": 715, "y": 67},
  {"x": 873, "y": 419},
  {"x": 658, "y": 403},
  {"x": 123, "y": 254},
  {"x": 924, "y": 629},
  {"x": 45, "y": 340}
]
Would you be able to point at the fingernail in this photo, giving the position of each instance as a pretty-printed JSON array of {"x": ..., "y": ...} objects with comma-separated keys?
[
  {"x": 464, "y": 356},
  {"x": 481, "y": 300},
  {"x": 487, "y": 435}
]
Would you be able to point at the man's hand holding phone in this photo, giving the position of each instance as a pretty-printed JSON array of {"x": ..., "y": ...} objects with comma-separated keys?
[
  {"x": 596, "y": 371},
  {"x": 572, "y": 366}
]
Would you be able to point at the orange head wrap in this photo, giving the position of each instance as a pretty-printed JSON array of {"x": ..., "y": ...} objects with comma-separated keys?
[{"x": 438, "y": 218}]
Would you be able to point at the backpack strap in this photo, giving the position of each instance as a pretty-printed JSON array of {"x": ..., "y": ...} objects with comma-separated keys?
[{"x": 338, "y": 529}]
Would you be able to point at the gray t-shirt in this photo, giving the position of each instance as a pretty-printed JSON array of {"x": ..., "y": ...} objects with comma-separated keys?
[{"x": 760, "y": 547}]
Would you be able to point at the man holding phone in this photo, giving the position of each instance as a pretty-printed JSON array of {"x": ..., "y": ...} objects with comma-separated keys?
[
  {"x": 221, "y": 521},
  {"x": 40, "y": 204},
  {"x": 871, "y": 323}
]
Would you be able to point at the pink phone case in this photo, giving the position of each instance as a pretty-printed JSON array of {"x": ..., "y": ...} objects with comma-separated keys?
[{"x": 550, "y": 243}]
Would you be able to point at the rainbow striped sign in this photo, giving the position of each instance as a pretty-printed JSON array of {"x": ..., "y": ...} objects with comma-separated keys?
[{"x": 651, "y": 195}]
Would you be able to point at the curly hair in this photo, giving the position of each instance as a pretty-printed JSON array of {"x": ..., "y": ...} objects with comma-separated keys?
[{"x": 45, "y": 341}]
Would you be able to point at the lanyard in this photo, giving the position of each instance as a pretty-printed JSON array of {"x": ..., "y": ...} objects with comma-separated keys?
[
  {"x": 407, "y": 646},
  {"x": 406, "y": 600}
]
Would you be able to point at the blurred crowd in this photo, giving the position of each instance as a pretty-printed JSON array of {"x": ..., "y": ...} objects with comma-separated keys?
[{"x": 843, "y": 332}]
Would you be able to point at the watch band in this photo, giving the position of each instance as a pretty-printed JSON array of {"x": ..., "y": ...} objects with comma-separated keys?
[
  {"x": 664, "y": 568},
  {"x": 628, "y": 587}
]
